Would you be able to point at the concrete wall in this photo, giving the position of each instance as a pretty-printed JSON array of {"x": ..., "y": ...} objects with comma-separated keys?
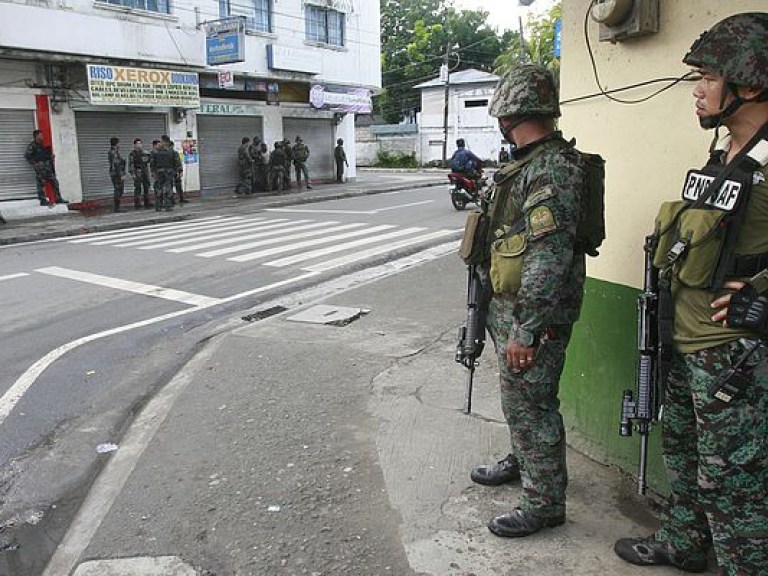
[
  {"x": 648, "y": 148},
  {"x": 369, "y": 143}
]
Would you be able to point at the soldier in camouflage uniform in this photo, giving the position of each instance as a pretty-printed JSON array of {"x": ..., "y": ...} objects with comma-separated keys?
[
  {"x": 288, "y": 162},
  {"x": 715, "y": 451},
  {"x": 116, "y": 171},
  {"x": 138, "y": 165},
  {"x": 277, "y": 160},
  {"x": 300, "y": 157},
  {"x": 41, "y": 158},
  {"x": 245, "y": 167},
  {"x": 537, "y": 274}
]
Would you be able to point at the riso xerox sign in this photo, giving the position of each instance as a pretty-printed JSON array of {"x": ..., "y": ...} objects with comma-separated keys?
[{"x": 120, "y": 85}]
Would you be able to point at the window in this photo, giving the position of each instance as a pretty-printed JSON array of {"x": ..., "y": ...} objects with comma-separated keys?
[
  {"x": 324, "y": 25},
  {"x": 162, "y": 6},
  {"x": 475, "y": 103},
  {"x": 257, "y": 13}
]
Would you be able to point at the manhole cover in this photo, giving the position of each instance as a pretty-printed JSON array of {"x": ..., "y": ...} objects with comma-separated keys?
[{"x": 324, "y": 314}]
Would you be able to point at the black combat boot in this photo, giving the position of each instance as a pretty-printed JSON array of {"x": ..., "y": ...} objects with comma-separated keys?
[
  {"x": 650, "y": 552},
  {"x": 521, "y": 522},
  {"x": 503, "y": 472}
]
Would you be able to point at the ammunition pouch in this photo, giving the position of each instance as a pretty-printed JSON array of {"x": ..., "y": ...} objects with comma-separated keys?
[
  {"x": 473, "y": 243},
  {"x": 507, "y": 263}
]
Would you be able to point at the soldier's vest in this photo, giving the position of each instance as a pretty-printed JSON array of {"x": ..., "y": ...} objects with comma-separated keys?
[{"x": 696, "y": 240}]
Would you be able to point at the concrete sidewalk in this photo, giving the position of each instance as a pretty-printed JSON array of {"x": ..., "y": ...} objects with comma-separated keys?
[
  {"x": 33, "y": 222},
  {"x": 288, "y": 448}
]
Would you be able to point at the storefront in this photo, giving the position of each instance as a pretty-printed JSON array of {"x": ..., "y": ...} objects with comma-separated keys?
[
  {"x": 94, "y": 130},
  {"x": 317, "y": 134},
  {"x": 17, "y": 178},
  {"x": 221, "y": 128}
]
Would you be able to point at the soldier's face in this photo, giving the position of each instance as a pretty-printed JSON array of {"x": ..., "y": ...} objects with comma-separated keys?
[
  {"x": 137, "y": 145},
  {"x": 708, "y": 92}
]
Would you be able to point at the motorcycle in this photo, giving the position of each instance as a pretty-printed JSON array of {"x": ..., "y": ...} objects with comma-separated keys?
[{"x": 464, "y": 189}]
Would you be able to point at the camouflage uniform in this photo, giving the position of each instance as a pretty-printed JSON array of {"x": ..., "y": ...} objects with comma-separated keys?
[
  {"x": 716, "y": 454},
  {"x": 300, "y": 157},
  {"x": 245, "y": 167},
  {"x": 288, "y": 161},
  {"x": 41, "y": 159},
  {"x": 340, "y": 158},
  {"x": 165, "y": 165},
  {"x": 116, "y": 174},
  {"x": 545, "y": 186},
  {"x": 138, "y": 164},
  {"x": 277, "y": 160}
]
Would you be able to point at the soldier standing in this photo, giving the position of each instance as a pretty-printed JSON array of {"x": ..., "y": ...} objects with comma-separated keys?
[
  {"x": 245, "y": 167},
  {"x": 165, "y": 165},
  {"x": 288, "y": 161},
  {"x": 41, "y": 158},
  {"x": 179, "y": 170},
  {"x": 116, "y": 171},
  {"x": 300, "y": 157},
  {"x": 138, "y": 164},
  {"x": 714, "y": 441},
  {"x": 277, "y": 168},
  {"x": 503, "y": 156},
  {"x": 340, "y": 157},
  {"x": 258, "y": 178},
  {"x": 537, "y": 294}
]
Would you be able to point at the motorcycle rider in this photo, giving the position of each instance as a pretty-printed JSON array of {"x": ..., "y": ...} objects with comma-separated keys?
[{"x": 466, "y": 163}]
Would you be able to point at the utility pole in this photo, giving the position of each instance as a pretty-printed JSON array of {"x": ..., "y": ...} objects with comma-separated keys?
[{"x": 445, "y": 101}]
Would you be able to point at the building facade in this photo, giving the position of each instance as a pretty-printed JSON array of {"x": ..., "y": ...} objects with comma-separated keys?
[
  {"x": 469, "y": 92},
  {"x": 205, "y": 72}
]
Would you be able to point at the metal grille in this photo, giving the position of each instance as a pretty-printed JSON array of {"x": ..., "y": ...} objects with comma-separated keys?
[
  {"x": 318, "y": 136},
  {"x": 17, "y": 178},
  {"x": 94, "y": 129},
  {"x": 219, "y": 138}
]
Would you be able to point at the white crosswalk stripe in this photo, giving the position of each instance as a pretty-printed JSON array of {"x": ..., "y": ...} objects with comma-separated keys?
[{"x": 268, "y": 241}]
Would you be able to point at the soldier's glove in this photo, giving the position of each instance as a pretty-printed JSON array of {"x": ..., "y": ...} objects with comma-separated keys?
[{"x": 749, "y": 306}]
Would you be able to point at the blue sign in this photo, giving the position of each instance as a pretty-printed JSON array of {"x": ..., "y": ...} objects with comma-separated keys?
[
  {"x": 225, "y": 49},
  {"x": 558, "y": 37}
]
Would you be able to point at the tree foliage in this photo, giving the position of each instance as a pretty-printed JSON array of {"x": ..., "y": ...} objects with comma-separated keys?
[
  {"x": 539, "y": 43},
  {"x": 415, "y": 35}
]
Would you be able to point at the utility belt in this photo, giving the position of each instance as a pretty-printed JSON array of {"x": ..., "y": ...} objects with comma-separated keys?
[{"x": 747, "y": 265}]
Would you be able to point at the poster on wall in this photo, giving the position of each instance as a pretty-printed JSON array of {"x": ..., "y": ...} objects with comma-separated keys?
[
  {"x": 124, "y": 86},
  {"x": 189, "y": 151}
]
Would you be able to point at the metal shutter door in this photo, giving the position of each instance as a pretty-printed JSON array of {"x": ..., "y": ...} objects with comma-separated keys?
[
  {"x": 219, "y": 138},
  {"x": 318, "y": 136},
  {"x": 94, "y": 129},
  {"x": 17, "y": 178}
]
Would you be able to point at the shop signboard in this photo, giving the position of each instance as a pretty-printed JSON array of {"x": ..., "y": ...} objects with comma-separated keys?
[
  {"x": 225, "y": 41},
  {"x": 355, "y": 100},
  {"x": 125, "y": 86}
]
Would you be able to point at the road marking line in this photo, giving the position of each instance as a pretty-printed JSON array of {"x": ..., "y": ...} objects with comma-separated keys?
[
  {"x": 249, "y": 245},
  {"x": 329, "y": 211},
  {"x": 197, "y": 232},
  {"x": 137, "y": 230},
  {"x": 242, "y": 229},
  {"x": 313, "y": 242},
  {"x": 107, "y": 233},
  {"x": 16, "y": 392},
  {"x": 12, "y": 276},
  {"x": 169, "y": 232},
  {"x": 330, "y": 264},
  {"x": 273, "y": 231},
  {"x": 129, "y": 286},
  {"x": 341, "y": 247}
]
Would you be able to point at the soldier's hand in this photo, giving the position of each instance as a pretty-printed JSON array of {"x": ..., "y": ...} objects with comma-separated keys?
[
  {"x": 721, "y": 304},
  {"x": 519, "y": 357}
]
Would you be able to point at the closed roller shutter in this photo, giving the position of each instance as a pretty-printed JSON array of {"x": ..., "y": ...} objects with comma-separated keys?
[
  {"x": 17, "y": 178},
  {"x": 94, "y": 129},
  {"x": 318, "y": 136},
  {"x": 219, "y": 138}
]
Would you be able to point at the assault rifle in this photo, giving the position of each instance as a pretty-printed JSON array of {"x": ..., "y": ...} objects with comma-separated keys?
[
  {"x": 644, "y": 410},
  {"x": 472, "y": 336}
]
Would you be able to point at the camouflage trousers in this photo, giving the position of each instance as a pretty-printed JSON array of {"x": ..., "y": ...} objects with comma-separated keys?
[
  {"x": 532, "y": 410},
  {"x": 716, "y": 457}
]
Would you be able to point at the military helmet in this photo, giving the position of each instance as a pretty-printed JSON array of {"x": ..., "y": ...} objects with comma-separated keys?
[
  {"x": 525, "y": 90},
  {"x": 735, "y": 48}
]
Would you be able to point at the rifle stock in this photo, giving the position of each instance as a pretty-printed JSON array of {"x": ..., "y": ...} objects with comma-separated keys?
[
  {"x": 642, "y": 408},
  {"x": 471, "y": 339}
]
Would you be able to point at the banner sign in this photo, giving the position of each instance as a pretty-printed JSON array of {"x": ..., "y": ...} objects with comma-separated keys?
[
  {"x": 124, "y": 86},
  {"x": 356, "y": 100},
  {"x": 229, "y": 110},
  {"x": 226, "y": 79},
  {"x": 225, "y": 41}
]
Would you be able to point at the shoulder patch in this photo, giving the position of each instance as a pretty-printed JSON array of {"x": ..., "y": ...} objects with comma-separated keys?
[
  {"x": 541, "y": 222},
  {"x": 538, "y": 197}
]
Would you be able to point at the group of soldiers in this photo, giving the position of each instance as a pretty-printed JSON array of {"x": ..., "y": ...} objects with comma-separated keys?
[
  {"x": 264, "y": 171},
  {"x": 162, "y": 166}
]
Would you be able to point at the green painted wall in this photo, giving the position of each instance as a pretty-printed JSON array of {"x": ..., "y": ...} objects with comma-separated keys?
[{"x": 600, "y": 366}]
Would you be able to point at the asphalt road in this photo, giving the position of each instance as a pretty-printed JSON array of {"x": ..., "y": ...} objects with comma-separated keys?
[{"x": 93, "y": 325}]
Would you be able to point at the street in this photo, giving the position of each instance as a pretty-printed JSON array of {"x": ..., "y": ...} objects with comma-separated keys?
[{"x": 94, "y": 325}]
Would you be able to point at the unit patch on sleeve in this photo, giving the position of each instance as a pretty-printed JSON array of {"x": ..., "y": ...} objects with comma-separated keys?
[{"x": 541, "y": 222}]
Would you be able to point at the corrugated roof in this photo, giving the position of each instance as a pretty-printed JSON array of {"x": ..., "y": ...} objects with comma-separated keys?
[{"x": 469, "y": 76}]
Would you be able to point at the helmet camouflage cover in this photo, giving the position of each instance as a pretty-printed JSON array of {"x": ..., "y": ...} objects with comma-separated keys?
[
  {"x": 735, "y": 48},
  {"x": 526, "y": 90}
]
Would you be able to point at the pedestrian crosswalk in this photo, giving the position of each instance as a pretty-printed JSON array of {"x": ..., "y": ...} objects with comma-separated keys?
[{"x": 309, "y": 244}]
